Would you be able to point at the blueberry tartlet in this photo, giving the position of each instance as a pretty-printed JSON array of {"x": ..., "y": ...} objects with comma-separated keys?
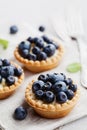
[
  {"x": 11, "y": 77},
  {"x": 39, "y": 54},
  {"x": 52, "y": 95}
]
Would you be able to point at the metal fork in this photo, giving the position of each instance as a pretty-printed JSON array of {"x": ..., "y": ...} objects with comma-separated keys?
[{"x": 76, "y": 33}]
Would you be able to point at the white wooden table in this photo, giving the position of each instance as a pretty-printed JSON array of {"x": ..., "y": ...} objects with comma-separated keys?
[{"x": 37, "y": 12}]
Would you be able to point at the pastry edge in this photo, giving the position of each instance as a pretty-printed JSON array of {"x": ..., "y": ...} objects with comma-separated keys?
[{"x": 49, "y": 110}]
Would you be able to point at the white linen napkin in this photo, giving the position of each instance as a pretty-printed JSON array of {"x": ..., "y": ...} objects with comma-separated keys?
[{"x": 34, "y": 121}]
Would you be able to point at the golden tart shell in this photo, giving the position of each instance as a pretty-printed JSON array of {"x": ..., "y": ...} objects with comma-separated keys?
[
  {"x": 8, "y": 90},
  {"x": 53, "y": 110},
  {"x": 39, "y": 66}
]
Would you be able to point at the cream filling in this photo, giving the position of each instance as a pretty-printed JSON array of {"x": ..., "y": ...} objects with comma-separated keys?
[{"x": 2, "y": 83}]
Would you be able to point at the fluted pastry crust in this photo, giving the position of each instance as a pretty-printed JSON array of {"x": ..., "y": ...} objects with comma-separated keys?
[
  {"x": 8, "y": 90},
  {"x": 38, "y": 66},
  {"x": 52, "y": 110}
]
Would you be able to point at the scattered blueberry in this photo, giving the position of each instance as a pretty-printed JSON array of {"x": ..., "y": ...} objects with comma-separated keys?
[
  {"x": 32, "y": 57},
  {"x": 61, "y": 97},
  {"x": 39, "y": 94},
  {"x": 18, "y": 71},
  {"x": 49, "y": 50},
  {"x": 38, "y": 85},
  {"x": 20, "y": 113},
  {"x": 70, "y": 94},
  {"x": 49, "y": 97},
  {"x": 59, "y": 86},
  {"x": 13, "y": 29},
  {"x": 36, "y": 50},
  {"x": 10, "y": 80},
  {"x": 42, "y": 56},
  {"x": 42, "y": 77},
  {"x": 41, "y": 28},
  {"x": 73, "y": 87}
]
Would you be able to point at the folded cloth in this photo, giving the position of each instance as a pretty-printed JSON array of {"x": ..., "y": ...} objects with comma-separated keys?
[{"x": 34, "y": 121}]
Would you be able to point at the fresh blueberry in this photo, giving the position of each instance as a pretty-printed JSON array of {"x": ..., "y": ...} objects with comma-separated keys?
[
  {"x": 30, "y": 39},
  {"x": 39, "y": 94},
  {"x": 20, "y": 113},
  {"x": 49, "y": 41},
  {"x": 49, "y": 97},
  {"x": 46, "y": 39},
  {"x": 1, "y": 63},
  {"x": 61, "y": 97},
  {"x": 41, "y": 28},
  {"x": 42, "y": 56},
  {"x": 24, "y": 45},
  {"x": 24, "y": 53},
  {"x": 32, "y": 57},
  {"x": 68, "y": 81},
  {"x": 42, "y": 77},
  {"x": 53, "y": 43},
  {"x": 40, "y": 43},
  {"x": 36, "y": 50},
  {"x": 6, "y": 62},
  {"x": 49, "y": 50},
  {"x": 53, "y": 78},
  {"x": 0, "y": 78},
  {"x": 59, "y": 86},
  {"x": 11, "y": 70},
  {"x": 18, "y": 71},
  {"x": 73, "y": 87},
  {"x": 6, "y": 71},
  {"x": 13, "y": 29},
  {"x": 35, "y": 39},
  {"x": 38, "y": 85},
  {"x": 47, "y": 86},
  {"x": 70, "y": 94},
  {"x": 10, "y": 80}
]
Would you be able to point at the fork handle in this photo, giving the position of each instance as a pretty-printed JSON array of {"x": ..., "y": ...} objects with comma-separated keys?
[{"x": 83, "y": 59}]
